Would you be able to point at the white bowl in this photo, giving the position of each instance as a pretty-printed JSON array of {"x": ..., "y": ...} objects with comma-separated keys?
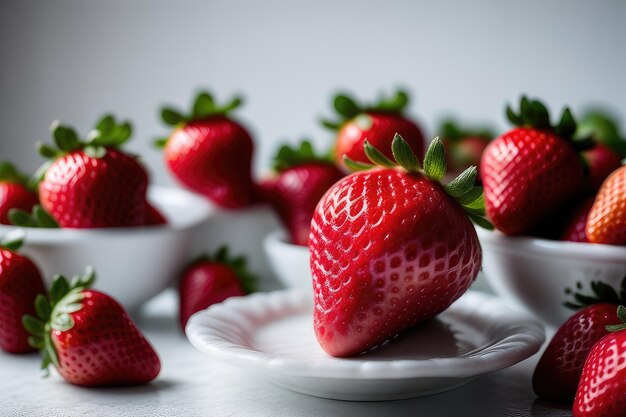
[
  {"x": 533, "y": 273},
  {"x": 289, "y": 262},
  {"x": 243, "y": 231},
  {"x": 132, "y": 264}
]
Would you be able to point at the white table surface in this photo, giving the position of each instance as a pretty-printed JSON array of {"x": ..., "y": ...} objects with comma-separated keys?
[{"x": 191, "y": 384}]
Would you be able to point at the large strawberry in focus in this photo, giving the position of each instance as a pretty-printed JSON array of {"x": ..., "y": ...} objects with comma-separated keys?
[
  {"x": 211, "y": 279},
  {"x": 464, "y": 145},
  {"x": 14, "y": 192},
  {"x": 530, "y": 171},
  {"x": 20, "y": 283},
  {"x": 92, "y": 183},
  {"x": 301, "y": 179},
  {"x": 391, "y": 247},
  {"x": 607, "y": 146},
  {"x": 607, "y": 219},
  {"x": 376, "y": 123},
  {"x": 558, "y": 372},
  {"x": 602, "y": 388},
  {"x": 211, "y": 153},
  {"x": 88, "y": 337}
]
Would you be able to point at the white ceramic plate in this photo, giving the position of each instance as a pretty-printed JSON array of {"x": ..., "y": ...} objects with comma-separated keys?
[{"x": 272, "y": 334}]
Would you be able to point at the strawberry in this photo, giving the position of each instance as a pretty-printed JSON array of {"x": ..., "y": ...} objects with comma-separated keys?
[
  {"x": 391, "y": 247},
  {"x": 20, "y": 283},
  {"x": 602, "y": 388},
  {"x": 530, "y": 171},
  {"x": 558, "y": 371},
  {"x": 91, "y": 183},
  {"x": 210, "y": 153},
  {"x": 607, "y": 219},
  {"x": 601, "y": 161},
  {"x": 302, "y": 179},
  {"x": 14, "y": 192},
  {"x": 153, "y": 216},
  {"x": 88, "y": 336},
  {"x": 377, "y": 123},
  {"x": 464, "y": 146},
  {"x": 574, "y": 230},
  {"x": 212, "y": 279}
]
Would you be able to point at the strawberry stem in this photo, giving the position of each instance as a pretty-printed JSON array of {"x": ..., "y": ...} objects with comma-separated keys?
[{"x": 533, "y": 113}]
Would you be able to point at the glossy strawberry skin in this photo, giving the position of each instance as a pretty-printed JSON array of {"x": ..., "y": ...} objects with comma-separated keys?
[
  {"x": 378, "y": 129},
  {"x": 84, "y": 192},
  {"x": 527, "y": 173},
  {"x": 602, "y": 388},
  {"x": 558, "y": 371},
  {"x": 294, "y": 194},
  {"x": 388, "y": 250},
  {"x": 601, "y": 162},
  {"x": 574, "y": 230},
  {"x": 213, "y": 157},
  {"x": 607, "y": 219},
  {"x": 20, "y": 283},
  {"x": 204, "y": 284},
  {"x": 14, "y": 195},
  {"x": 104, "y": 348}
]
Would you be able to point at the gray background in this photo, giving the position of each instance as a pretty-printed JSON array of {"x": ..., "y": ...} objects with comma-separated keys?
[{"x": 73, "y": 60}]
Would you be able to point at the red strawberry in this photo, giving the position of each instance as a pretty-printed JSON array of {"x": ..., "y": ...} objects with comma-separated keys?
[
  {"x": 210, "y": 153},
  {"x": 153, "y": 216},
  {"x": 210, "y": 280},
  {"x": 294, "y": 192},
  {"x": 391, "y": 247},
  {"x": 14, "y": 192},
  {"x": 574, "y": 230},
  {"x": 89, "y": 337},
  {"x": 558, "y": 371},
  {"x": 464, "y": 146},
  {"x": 607, "y": 219},
  {"x": 376, "y": 123},
  {"x": 530, "y": 171},
  {"x": 20, "y": 282},
  {"x": 93, "y": 184},
  {"x": 601, "y": 130},
  {"x": 602, "y": 388}
]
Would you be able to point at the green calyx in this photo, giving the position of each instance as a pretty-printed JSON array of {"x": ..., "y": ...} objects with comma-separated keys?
[
  {"x": 288, "y": 156},
  {"x": 621, "y": 314},
  {"x": 601, "y": 127},
  {"x": 9, "y": 173},
  {"x": 38, "y": 218},
  {"x": 347, "y": 108},
  {"x": 462, "y": 188},
  {"x": 533, "y": 113},
  {"x": 204, "y": 106},
  {"x": 54, "y": 313},
  {"x": 602, "y": 293},
  {"x": 13, "y": 240},
  {"x": 237, "y": 263},
  {"x": 450, "y": 131}
]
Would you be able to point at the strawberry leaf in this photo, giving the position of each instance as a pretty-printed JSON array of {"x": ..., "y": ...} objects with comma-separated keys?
[
  {"x": 435, "y": 160},
  {"x": 238, "y": 264},
  {"x": 65, "y": 137},
  {"x": 346, "y": 106},
  {"x": 13, "y": 240},
  {"x": 42, "y": 307},
  {"x": 106, "y": 125},
  {"x": 171, "y": 117},
  {"x": 356, "y": 165},
  {"x": 203, "y": 105},
  {"x": 160, "y": 143},
  {"x": 404, "y": 155},
  {"x": 376, "y": 156},
  {"x": 38, "y": 218},
  {"x": 462, "y": 184},
  {"x": 396, "y": 103},
  {"x": 288, "y": 156},
  {"x": 9, "y": 173},
  {"x": 332, "y": 125}
]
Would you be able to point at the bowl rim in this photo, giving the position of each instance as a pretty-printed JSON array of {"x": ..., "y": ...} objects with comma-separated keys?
[
  {"x": 528, "y": 245},
  {"x": 202, "y": 208},
  {"x": 279, "y": 237}
]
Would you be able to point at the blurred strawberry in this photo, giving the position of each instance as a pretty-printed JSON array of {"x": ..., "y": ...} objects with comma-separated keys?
[
  {"x": 20, "y": 283},
  {"x": 607, "y": 219},
  {"x": 464, "y": 146},
  {"x": 210, "y": 153},
  {"x": 212, "y": 279},
  {"x": 91, "y": 183},
  {"x": 574, "y": 230},
  {"x": 302, "y": 179},
  {"x": 608, "y": 149},
  {"x": 530, "y": 171},
  {"x": 377, "y": 123},
  {"x": 88, "y": 336},
  {"x": 14, "y": 192},
  {"x": 558, "y": 372},
  {"x": 153, "y": 216}
]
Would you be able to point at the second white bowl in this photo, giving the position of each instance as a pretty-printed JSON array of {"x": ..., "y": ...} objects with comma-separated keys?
[{"x": 289, "y": 262}]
